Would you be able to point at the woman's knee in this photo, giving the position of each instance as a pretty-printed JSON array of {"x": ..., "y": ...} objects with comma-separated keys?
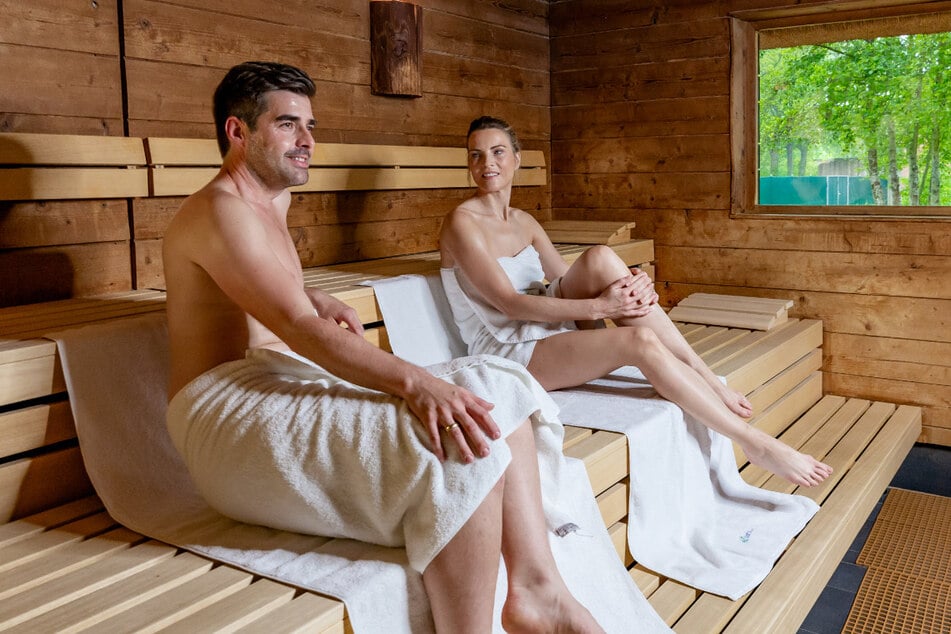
[
  {"x": 644, "y": 341},
  {"x": 603, "y": 258},
  {"x": 593, "y": 271}
]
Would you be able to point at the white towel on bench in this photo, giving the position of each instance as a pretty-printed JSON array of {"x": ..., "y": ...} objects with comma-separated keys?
[
  {"x": 691, "y": 516},
  {"x": 116, "y": 377}
]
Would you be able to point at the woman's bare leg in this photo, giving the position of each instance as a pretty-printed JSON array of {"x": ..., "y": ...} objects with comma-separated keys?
[
  {"x": 538, "y": 599},
  {"x": 460, "y": 580},
  {"x": 600, "y": 266},
  {"x": 573, "y": 358}
]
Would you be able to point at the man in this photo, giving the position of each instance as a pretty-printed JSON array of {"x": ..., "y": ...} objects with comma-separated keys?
[{"x": 287, "y": 417}]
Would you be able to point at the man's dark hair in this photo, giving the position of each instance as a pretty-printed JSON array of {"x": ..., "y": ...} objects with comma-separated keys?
[
  {"x": 487, "y": 122},
  {"x": 243, "y": 93}
]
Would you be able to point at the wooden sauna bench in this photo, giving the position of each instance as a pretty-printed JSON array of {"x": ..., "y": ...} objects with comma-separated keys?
[
  {"x": 71, "y": 567},
  {"x": 67, "y": 566}
]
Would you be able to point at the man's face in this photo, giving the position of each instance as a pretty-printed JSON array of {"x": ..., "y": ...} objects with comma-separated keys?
[{"x": 280, "y": 146}]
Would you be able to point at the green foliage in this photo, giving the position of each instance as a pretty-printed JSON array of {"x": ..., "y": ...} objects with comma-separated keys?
[{"x": 880, "y": 100}]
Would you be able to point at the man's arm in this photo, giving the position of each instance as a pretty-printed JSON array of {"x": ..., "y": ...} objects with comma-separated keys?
[
  {"x": 230, "y": 243},
  {"x": 332, "y": 309}
]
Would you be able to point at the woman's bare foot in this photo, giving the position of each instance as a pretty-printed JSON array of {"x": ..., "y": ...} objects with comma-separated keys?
[
  {"x": 778, "y": 457},
  {"x": 546, "y": 608}
]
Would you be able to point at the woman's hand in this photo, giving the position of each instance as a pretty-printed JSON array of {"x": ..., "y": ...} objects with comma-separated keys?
[
  {"x": 629, "y": 296},
  {"x": 445, "y": 408}
]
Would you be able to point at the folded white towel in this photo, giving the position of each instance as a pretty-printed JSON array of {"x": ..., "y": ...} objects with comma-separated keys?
[
  {"x": 691, "y": 516},
  {"x": 116, "y": 376}
]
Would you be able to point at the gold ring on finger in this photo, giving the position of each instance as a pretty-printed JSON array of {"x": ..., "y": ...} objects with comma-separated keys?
[{"x": 449, "y": 428}]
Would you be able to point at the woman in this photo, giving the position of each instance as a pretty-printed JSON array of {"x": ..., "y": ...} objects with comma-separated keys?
[{"x": 493, "y": 260}]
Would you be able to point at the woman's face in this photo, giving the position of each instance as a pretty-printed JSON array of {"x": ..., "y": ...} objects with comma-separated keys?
[{"x": 492, "y": 161}]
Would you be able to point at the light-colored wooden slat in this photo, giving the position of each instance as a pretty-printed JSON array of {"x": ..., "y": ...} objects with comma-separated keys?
[
  {"x": 35, "y": 426},
  {"x": 307, "y": 613},
  {"x": 769, "y": 392},
  {"x": 731, "y": 318},
  {"x": 175, "y": 151},
  {"x": 771, "y": 355},
  {"x": 811, "y": 559},
  {"x": 574, "y": 434},
  {"x": 15, "y": 531},
  {"x": 695, "y": 334},
  {"x": 672, "y": 599},
  {"x": 60, "y": 591},
  {"x": 720, "y": 339},
  {"x": 613, "y": 503},
  {"x": 776, "y": 418},
  {"x": 30, "y": 485},
  {"x": 647, "y": 581},
  {"x": 27, "y": 148},
  {"x": 86, "y": 611},
  {"x": 31, "y": 378},
  {"x": 22, "y": 349},
  {"x": 235, "y": 610},
  {"x": 177, "y": 603},
  {"x": 765, "y": 305},
  {"x": 588, "y": 232},
  {"x": 183, "y": 181},
  {"x": 69, "y": 183},
  {"x": 41, "y": 544},
  {"x": 605, "y": 458},
  {"x": 66, "y": 560},
  {"x": 618, "y": 534}
]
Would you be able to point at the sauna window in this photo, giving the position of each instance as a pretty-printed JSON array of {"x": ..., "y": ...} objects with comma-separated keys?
[{"x": 847, "y": 117}]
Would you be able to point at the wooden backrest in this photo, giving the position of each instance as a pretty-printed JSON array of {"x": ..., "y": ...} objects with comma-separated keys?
[
  {"x": 181, "y": 166},
  {"x": 67, "y": 166}
]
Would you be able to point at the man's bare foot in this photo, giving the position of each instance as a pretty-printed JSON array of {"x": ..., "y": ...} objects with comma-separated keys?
[
  {"x": 546, "y": 608},
  {"x": 776, "y": 456}
]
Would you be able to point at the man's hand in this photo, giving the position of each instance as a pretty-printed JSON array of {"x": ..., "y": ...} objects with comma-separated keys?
[
  {"x": 448, "y": 409},
  {"x": 332, "y": 309}
]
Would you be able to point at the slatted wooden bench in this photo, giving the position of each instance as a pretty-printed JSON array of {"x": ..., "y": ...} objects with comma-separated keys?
[{"x": 68, "y": 567}]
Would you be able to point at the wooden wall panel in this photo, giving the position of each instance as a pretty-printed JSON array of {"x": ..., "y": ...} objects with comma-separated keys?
[
  {"x": 63, "y": 68},
  {"x": 60, "y": 272},
  {"x": 640, "y": 131},
  {"x": 48, "y": 223},
  {"x": 60, "y": 69}
]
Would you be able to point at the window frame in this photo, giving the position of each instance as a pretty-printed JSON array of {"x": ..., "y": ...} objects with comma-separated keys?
[{"x": 806, "y": 25}]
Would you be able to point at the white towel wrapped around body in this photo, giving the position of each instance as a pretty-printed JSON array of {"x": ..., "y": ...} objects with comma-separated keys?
[
  {"x": 484, "y": 328},
  {"x": 691, "y": 516},
  {"x": 116, "y": 375},
  {"x": 277, "y": 440}
]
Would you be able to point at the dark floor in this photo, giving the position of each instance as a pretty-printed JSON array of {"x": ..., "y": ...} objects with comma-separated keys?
[{"x": 928, "y": 469}]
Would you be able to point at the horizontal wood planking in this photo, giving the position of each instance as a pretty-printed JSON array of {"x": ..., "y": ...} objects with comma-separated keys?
[
  {"x": 868, "y": 328},
  {"x": 823, "y": 261},
  {"x": 897, "y": 276},
  {"x": 54, "y": 82},
  {"x": 51, "y": 223},
  {"x": 72, "y": 183},
  {"x": 167, "y": 151},
  {"x": 58, "y": 272},
  {"x": 31, "y": 485}
]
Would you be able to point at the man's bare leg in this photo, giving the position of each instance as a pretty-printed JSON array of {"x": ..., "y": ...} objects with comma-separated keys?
[
  {"x": 598, "y": 267},
  {"x": 460, "y": 580},
  {"x": 538, "y": 599},
  {"x": 573, "y": 358}
]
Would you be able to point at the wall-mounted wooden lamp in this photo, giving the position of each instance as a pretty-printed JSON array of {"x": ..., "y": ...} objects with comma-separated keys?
[{"x": 396, "y": 46}]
